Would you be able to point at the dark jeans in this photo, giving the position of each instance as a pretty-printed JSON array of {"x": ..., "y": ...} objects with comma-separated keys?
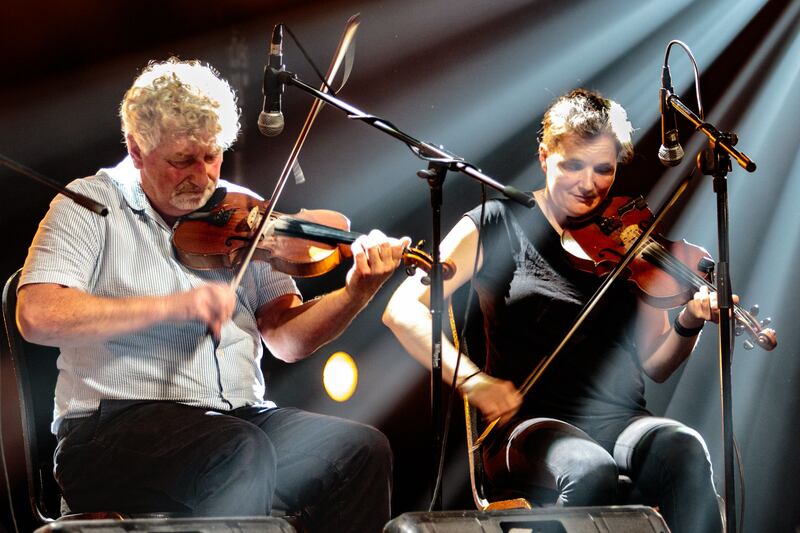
[
  {"x": 162, "y": 456},
  {"x": 552, "y": 461}
]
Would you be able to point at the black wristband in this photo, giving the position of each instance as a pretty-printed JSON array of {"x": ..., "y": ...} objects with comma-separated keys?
[
  {"x": 469, "y": 377},
  {"x": 683, "y": 331}
]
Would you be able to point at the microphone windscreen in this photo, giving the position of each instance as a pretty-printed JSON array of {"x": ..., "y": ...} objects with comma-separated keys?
[
  {"x": 670, "y": 156},
  {"x": 270, "y": 124}
]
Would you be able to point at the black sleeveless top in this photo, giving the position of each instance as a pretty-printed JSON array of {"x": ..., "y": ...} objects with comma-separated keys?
[{"x": 530, "y": 296}]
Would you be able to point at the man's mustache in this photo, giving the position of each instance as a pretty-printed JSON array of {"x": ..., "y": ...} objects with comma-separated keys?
[{"x": 189, "y": 187}]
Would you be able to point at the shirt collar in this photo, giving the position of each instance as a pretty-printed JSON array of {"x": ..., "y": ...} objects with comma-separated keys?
[{"x": 127, "y": 179}]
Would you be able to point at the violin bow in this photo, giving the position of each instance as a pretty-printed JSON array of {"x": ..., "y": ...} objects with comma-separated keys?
[{"x": 344, "y": 53}]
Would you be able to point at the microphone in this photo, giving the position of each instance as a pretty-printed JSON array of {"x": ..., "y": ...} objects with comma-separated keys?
[
  {"x": 270, "y": 120},
  {"x": 671, "y": 152}
]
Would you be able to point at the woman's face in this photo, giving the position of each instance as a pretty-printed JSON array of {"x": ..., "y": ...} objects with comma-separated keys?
[{"x": 579, "y": 174}]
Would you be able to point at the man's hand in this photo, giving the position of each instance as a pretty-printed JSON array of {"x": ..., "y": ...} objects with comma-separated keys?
[
  {"x": 375, "y": 257},
  {"x": 212, "y": 304}
]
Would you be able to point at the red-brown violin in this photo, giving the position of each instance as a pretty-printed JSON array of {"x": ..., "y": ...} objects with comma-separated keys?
[
  {"x": 666, "y": 273},
  {"x": 306, "y": 244}
]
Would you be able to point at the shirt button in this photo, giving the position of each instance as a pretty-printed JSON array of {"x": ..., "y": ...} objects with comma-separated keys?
[{"x": 219, "y": 352}]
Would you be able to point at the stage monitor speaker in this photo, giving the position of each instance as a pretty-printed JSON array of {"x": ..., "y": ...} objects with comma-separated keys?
[
  {"x": 172, "y": 525},
  {"x": 618, "y": 519}
]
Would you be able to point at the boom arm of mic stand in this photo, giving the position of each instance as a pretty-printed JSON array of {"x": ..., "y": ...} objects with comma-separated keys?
[
  {"x": 78, "y": 198},
  {"x": 710, "y": 131},
  {"x": 423, "y": 150}
]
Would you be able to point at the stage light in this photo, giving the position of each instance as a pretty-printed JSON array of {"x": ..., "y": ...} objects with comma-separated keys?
[{"x": 340, "y": 376}]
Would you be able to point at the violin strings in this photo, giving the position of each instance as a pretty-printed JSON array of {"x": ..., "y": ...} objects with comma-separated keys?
[
  {"x": 667, "y": 260},
  {"x": 674, "y": 266}
]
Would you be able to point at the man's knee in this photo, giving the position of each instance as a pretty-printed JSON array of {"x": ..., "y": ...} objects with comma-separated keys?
[
  {"x": 239, "y": 477},
  {"x": 369, "y": 448},
  {"x": 240, "y": 472},
  {"x": 244, "y": 450}
]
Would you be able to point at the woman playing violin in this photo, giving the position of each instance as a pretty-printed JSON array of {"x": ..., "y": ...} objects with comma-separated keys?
[{"x": 584, "y": 422}]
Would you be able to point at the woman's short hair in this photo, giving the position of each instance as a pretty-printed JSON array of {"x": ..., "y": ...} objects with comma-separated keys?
[
  {"x": 587, "y": 114},
  {"x": 180, "y": 98}
]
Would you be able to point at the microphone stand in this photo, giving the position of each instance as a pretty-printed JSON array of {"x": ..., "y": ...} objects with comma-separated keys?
[
  {"x": 440, "y": 161},
  {"x": 76, "y": 197},
  {"x": 435, "y": 175},
  {"x": 718, "y": 164}
]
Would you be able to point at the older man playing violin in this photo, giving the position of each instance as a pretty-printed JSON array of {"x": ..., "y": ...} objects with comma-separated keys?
[{"x": 153, "y": 414}]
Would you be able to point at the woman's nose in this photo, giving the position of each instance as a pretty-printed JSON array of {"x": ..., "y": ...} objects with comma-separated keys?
[{"x": 587, "y": 180}]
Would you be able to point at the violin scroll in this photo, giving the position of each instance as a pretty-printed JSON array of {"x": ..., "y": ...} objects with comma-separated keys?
[
  {"x": 415, "y": 257},
  {"x": 760, "y": 335}
]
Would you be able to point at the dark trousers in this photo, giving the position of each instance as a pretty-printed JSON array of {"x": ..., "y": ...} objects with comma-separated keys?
[
  {"x": 552, "y": 461},
  {"x": 149, "y": 456}
]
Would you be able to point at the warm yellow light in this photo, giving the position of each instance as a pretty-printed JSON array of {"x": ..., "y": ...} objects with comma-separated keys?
[{"x": 340, "y": 376}]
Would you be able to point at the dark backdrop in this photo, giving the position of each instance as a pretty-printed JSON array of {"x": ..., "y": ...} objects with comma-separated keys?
[{"x": 474, "y": 76}]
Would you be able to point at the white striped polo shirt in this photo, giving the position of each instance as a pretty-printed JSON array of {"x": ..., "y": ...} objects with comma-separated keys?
[{"x": 129, "y": 253}]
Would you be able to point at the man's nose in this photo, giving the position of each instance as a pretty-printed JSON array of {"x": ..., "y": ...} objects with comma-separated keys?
[{"x": 202, "y": 171}]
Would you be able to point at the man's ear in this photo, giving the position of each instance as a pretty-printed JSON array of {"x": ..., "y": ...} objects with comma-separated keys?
[{"x": 135, "y": 152}]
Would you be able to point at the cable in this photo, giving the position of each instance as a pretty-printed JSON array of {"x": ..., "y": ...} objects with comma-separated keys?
[{"x": 694, "y": 69}]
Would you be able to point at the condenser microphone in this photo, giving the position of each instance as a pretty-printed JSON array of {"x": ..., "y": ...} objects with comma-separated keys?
[
  {"x": 270, "y": 120},
  {"x": 671, "y": 152}
]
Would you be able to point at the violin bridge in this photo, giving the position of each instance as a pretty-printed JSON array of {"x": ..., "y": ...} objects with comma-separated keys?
[
  {"x": 629, "y": 235},
  {"x": 253, "y": 218}
]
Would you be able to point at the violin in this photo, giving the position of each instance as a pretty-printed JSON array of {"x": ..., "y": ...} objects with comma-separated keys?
[
  {"x": 307, "y": 244},
  {"x": 665, "y": 273}
]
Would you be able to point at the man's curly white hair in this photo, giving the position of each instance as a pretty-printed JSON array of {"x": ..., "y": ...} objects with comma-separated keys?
[{"x": 180, "y": 99}]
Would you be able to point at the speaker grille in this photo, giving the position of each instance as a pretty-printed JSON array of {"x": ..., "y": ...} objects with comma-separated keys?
[{"x": 621, "y": 519}]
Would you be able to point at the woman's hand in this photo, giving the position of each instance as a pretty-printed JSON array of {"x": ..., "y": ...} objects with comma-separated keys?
[
  {"x": 494, "y": 398},
  {"x": 701, "y": 308}
]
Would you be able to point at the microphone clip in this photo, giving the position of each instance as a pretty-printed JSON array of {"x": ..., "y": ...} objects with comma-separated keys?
[{"x": 713, "y": 160}]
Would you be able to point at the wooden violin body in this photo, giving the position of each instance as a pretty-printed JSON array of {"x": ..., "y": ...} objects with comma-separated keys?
[
  {"x": 665, "y": 273},
  {"x": 597, "y": 245},
  {"x": 217, "y": 238},
  {"x": 307, "y": 244}
]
